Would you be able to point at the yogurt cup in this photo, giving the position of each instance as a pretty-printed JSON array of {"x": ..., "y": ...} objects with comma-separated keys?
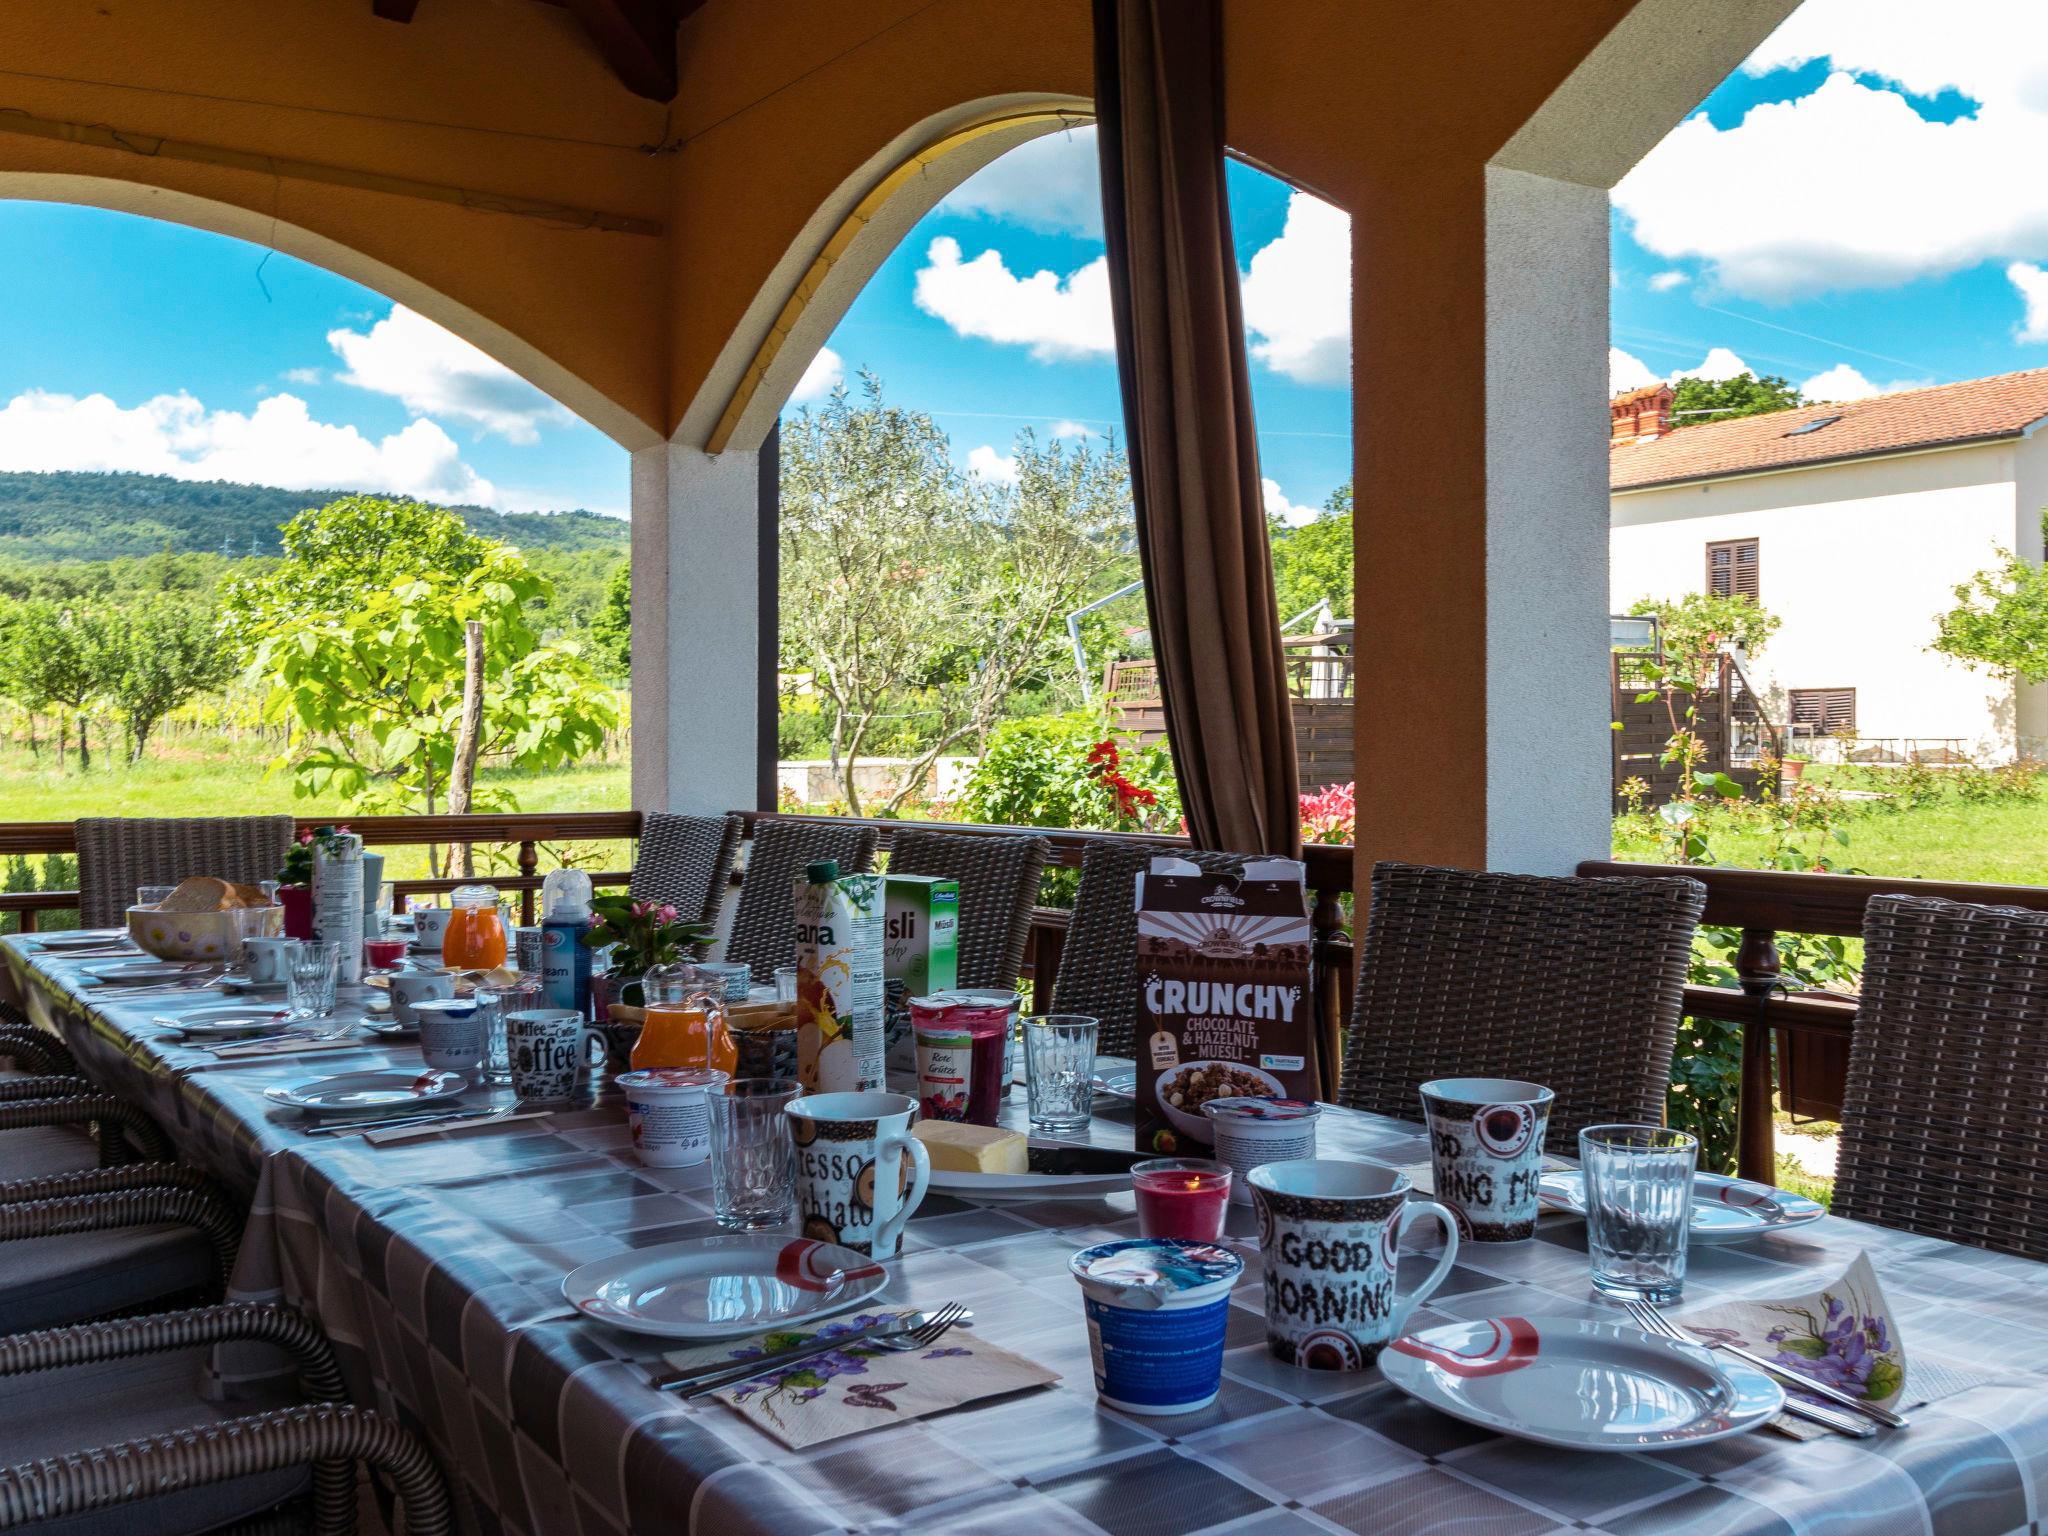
[
  {"x": 451, "y": 1034},
  {"x": 1249, "y": 1132},
  {"x": 670, "y": 1114},
  {"x": 1157, "y": 1311}
]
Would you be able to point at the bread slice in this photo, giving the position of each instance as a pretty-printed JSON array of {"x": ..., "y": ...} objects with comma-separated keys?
[
  {"x": 201, "y": 893},
  {"x": 240, "y": 895}
]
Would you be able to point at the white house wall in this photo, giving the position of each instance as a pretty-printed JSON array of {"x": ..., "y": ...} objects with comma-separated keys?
[
  {"x": 1857, "y": 560},
  {"x": 2030, "y": 457}
]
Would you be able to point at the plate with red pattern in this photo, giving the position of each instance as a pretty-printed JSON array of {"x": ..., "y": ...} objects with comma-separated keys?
[
  {"x": 1580, "y": 1383},
  {"x": 1724, "y": 1210},
  {"x": 722, "y": 1287}
]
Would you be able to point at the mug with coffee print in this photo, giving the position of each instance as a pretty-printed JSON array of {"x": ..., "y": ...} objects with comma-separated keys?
[
  {"x": 411, "y": 988},
  {"x": 263, "y": 959},
  {"x": 1486, "y": 1152},
  {"x": 1330, "y": 1234},
  {"x": 859, "y": 1171},
  {"x": 550, "y": 1049}
]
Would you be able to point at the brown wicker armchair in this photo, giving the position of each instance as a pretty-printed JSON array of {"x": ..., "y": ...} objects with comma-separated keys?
[
  {"x": 1945, "y": 1119},
  {"x": 118, "y": 853},
  {"x": 1099, "y": 967},
  {"x": 686, "y": 861},
  {"x": 132, "y": 1378},
  {"x": 763, "y": 929},
  {"x": 998, "y": 879},
  {"x": 1572, "y": 983}
]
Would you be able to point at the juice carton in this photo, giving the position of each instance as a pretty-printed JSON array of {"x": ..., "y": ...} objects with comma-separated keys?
[
  {"x": 839, "y": 924},
  {"x": 1223, "y": 995},
  {"x": 920, "y": 950}
]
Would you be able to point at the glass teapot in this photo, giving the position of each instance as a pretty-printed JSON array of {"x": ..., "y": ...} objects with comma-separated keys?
[{"x": 686, "y": 1022}]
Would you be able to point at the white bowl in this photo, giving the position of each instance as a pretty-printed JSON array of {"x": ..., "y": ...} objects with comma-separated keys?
[
  {"x": 200, "y": 935},
  {"x": 1196, "y": 1125}
]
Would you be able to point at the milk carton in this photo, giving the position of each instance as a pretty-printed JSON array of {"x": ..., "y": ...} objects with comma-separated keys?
[
  {"x": 839, "y": 928},
  {"x": 920, "y": 949}
]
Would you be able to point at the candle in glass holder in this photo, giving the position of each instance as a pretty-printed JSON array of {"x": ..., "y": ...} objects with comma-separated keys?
[
  {"x": 1181, "y": 1197},
  {"x": 383, "y": 954}
]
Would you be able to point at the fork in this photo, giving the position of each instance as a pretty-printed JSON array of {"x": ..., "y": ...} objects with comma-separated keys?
[
  {"x": 927, "y": 1331},
  {"x": 1650, "y": 1320}
]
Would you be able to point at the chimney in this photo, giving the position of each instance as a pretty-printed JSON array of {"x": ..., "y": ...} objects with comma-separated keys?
[{"x": 1641, "y": 415}]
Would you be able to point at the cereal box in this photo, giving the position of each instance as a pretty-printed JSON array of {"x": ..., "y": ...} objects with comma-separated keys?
[
  {"x": 920, "y": 950},
  {"x": 1224, "y": 964}
]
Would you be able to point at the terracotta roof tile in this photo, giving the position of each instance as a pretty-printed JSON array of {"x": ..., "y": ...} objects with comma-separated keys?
[{"x": 1974, "y": 411}]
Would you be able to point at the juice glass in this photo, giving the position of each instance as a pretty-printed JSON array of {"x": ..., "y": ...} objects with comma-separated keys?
[
  {"x": 685, "y": 1023},
  {"x": 475, "y": 940}
]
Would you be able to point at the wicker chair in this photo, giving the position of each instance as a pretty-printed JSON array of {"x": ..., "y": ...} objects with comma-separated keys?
[
  {"x": 1099, "y": 967},
  {"x": 133, "y": 1378},
  {"x": 763, "y": 929},
  {"x": 36, "y": 1051},
  {"x": 1945, "y": 1119},
  {"x": 998, "y": 879},
  {"x": 686, "y": 861},
  {"x": 1575, "y": 984},
  {"x": 118, "y": 853}
]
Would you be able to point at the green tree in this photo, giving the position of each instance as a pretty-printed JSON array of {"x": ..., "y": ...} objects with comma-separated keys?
[
  {"x": 62, "y": 657},
  {"x": 1698, "y": 624},
  {"x": 914, "y": 593},
  {"x": 2000, "y": 621},
  {"x": 160, "y": 654},
  {"x": 1049, "y": 771},
  {"x": 359, "y": 635},
  {"x": 611, "y": 627},
  {"x": 1314, "y": 561},
  {"x": 1746, "y": 394}
]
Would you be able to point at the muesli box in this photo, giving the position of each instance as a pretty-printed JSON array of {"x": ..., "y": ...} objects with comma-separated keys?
[{"x": 1223, "y": 995}]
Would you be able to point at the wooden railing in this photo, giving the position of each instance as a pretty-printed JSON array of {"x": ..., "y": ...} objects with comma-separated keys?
[{"x": 1812, "y": 1029}]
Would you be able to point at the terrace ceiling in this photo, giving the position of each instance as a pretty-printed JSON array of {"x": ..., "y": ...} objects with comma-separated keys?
[{"x": 637, "y": 38}]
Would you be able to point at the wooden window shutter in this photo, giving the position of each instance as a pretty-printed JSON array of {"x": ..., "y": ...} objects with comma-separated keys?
[
  {"x": 1733, "y": 569},
  {"x": 1822, "y": 711}
]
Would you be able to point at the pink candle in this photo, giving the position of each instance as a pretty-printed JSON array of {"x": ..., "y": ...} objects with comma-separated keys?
[{"x": 1181, "y": 1197}]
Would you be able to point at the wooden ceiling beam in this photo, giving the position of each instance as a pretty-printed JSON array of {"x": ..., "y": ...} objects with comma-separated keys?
[
  {"x": 637, "y": 39},
  {"x": 394, "y": 10}
]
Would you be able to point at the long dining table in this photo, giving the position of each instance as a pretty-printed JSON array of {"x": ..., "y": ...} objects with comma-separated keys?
[{"x": 435, "y": 1266}]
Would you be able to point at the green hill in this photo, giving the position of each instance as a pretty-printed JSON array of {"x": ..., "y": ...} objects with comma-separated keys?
[{"x": 74, "y": 515}]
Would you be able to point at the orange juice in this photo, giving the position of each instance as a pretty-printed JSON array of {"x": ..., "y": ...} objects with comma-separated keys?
[
  {"x": 681, "y": 1035},
  {"x": 475, "y": 940}
]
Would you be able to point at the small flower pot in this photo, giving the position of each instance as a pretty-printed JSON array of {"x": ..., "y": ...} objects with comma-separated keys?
[{"x": 297, "y": 901}]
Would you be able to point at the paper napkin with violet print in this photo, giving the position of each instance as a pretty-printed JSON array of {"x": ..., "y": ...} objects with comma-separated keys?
[
  {"x": 1843, "y": 1335},
  {"x": 849, "y": 1390}
]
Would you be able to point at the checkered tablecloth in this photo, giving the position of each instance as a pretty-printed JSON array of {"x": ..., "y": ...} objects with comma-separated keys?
[{"x": 435, "y": 1266}]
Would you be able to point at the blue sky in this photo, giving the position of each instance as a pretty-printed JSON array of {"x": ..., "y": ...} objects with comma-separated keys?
[{"x": 1858, "y": 208}]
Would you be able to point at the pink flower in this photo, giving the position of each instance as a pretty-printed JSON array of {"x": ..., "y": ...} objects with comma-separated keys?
[
  {"x": 305, "y": 837},
  {"x": 669, "y": 914}
]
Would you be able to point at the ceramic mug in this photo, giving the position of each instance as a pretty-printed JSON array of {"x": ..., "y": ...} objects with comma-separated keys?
[
  {"x": 1486, "y": 1152},
  {"x": 1330, "y": 1234},
  {"x": 263, "y": 959},
  {"x": 451, "y": 1034},
  {"x": 859, "y": 1171},
  {"x": 430, "y": 926},
  {"x": 411, "y": 988},
  {"x": 550, "y": 1048}
]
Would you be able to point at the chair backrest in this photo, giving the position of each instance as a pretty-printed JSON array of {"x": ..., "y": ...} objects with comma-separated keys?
[
  {"x": 687, "y": 862},
  {"x": 763, "y": 929},
  {"x": 1945, "y": 1120},
  {"x": 1099, "y": 967},
  {"x": 1571, "y": 983},
  {"x": 998, "y": 879},
  {"x": 118, "y": 853}
]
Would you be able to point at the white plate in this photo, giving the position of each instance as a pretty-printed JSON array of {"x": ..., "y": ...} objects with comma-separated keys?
[
  {"x": 225, "y": 1022},
  {"x": 104, "y": 938},
  {"x": 1580, "y": 1384},
  {"x": 1116, "y": 1077},
  {"x": 1197, "y": 1125},
  {"x": 722, "y": 1287},
  {"x": 355, "y": 1093},
  {"x": 121, "y": 973},
  {"x": 1028, "y": 1186},
  {"x": 392, "y": 1029},
  {"x": 231, "y": 982},
  {"x": 1724, "y": 1210}
]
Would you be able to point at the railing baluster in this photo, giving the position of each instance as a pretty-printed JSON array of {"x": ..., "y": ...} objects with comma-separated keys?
[
  {"x": 1326, "y": 925},
  {"x": 529, "y": 863},
  {"x": 1757, "y": 971},
  {"x": 28, "y": 921}
]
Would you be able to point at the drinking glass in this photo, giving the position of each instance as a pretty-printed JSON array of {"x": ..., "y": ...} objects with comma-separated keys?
[
  {"x": 785, "y": 983},
  {"x": 152, "y": 895},
  {"x": 310, "y": 969},
  {"x": 1638, "y": 1208},
  {"x": 753, "y": 1160},
  {"x": 1059, "y": 1069},
  {"x": 497, "y": 1004}
]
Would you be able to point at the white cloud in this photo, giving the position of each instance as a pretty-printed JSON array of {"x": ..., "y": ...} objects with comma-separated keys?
[
  {"x": 1053, "y": 183},
  {"x": 1065, "y": 428},
  {"x": 825, "y": 374},
  {"x": 1849, "y": 186},
  {"x": 436, "y": 372},
  {"x": 1297, "y": 295},
  {"x": 303, "y": 376},
  {"x": 2032, "y": 283},
  {"x": 1626, "y": 372},
  {"x": 1058, "y": 318},
  {"x": 278, "y": 443},
  {"x": 1290, "y": 513},
  {"x": 996, "y": 468},
  {"x": 1718, "y": 364},
  {"x": 1664, "y": 282},
  {"x": 1842, "y": 382}
]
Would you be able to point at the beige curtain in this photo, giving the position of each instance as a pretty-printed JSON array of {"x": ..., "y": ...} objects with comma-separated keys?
[{"x": 1188, "y": 414}]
